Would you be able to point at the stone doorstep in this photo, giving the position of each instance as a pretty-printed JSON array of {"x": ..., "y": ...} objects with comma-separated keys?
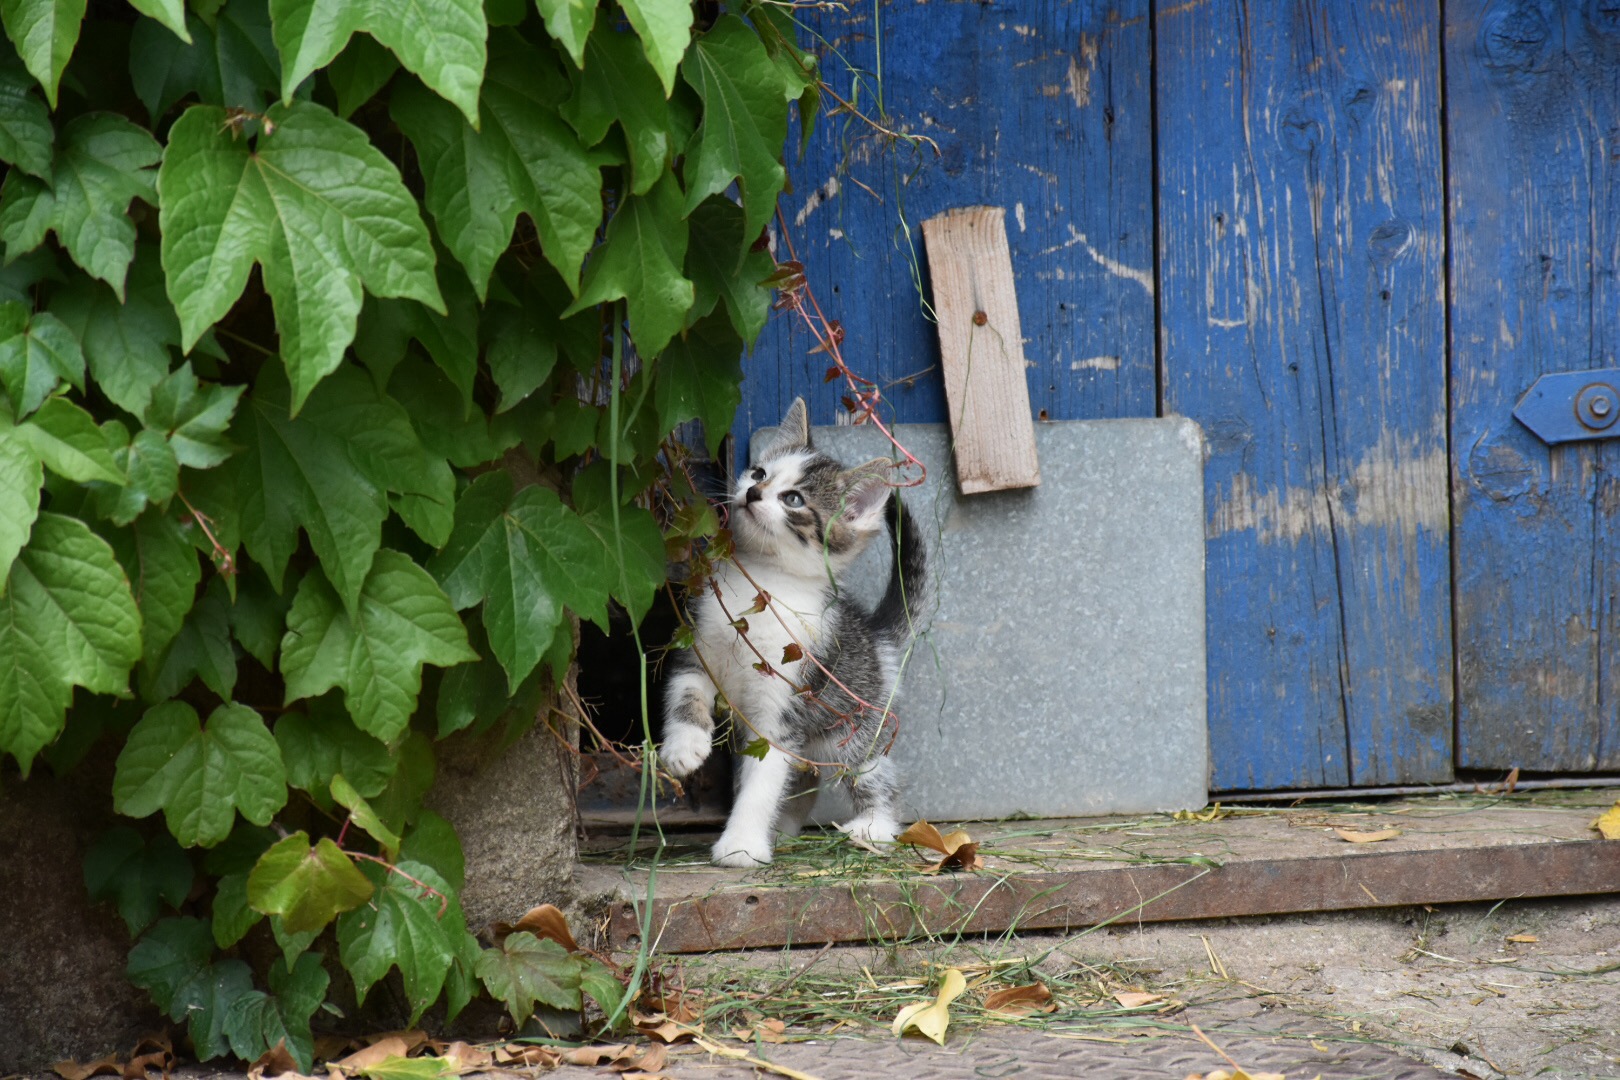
[{"x": 1070, "y": 874}]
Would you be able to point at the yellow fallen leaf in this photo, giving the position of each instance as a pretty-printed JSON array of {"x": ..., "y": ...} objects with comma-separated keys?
[
  {"x": 960, "y": 852},
  {"x": 1238, "y": 1074},
  {"x": 931, "y": 1018},
  {"x": 1351, "y": 836},
  {"x": 1609, "y": 824},
  {"x": 1135, "y": 999},
  {"x": 1523, "y": 939}
]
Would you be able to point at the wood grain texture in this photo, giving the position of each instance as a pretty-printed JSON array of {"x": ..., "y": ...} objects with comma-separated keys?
[
  {"x": 1301, "y": 254},
  {"x": 1041, "y": 107},
  {"x": 981, "y": 350},
  {"x": 1533, "y": 108}
]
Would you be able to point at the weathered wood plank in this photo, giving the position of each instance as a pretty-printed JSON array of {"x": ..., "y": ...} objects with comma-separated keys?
[
  {"x": 1533, "y": 108},
  {"x": 981, "y": 350},
  {"x": 1301, "y": 260},
  {"x": 1041, "y": 107}
]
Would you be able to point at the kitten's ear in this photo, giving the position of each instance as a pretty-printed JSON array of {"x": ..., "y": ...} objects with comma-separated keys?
[
  {"x": 793, "y": 433},
  {"x": 866, "y": 493}
]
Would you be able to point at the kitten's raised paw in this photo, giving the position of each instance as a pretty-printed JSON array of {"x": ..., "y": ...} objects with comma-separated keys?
[
  {"x": 741, "y": 854},
  {"x": 871, "y": 829},
  {"x": 684, "y": 748}
]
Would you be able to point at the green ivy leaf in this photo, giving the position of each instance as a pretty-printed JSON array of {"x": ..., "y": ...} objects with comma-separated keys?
[
  {"x": 569, "y": 22},
  {"x": 524, "y": 338},
  {"x": 103, "y": 163},
  {"x": 233, "y": 917},
  {"x": 598, "y": 983},
  {"x": 202, "y": 649},
  {"x": 21, "y": 476},
  {"x": 314, "y": 203},
  {"x": 231, "y": 60},
  {"x": 67, "y": 440},
  {"x": 44, "y": 32},
  {"x": 360, "y": 70},
  {"x": 476, "y": 695},
  {"x": 524, "y": 555},
  {"x": 66, "y": 619},
  {"x": 665, "y": 28},
  {"x": 401, "y": 622},
  {"x": 446, "y": 430},
  {"x": 801, "y": 77},
  {"x": 325, "y": 743},
  {"x": 205, "y": 1004},
  {"x": 193, "y": 416},
  {"x": 363, "y": 816},
  {"x": 171, "y": 13},
  {"x": 414, "y": 767},
  {"x": 434, "y": 842},
  {"x": 258, "y": 619},
  {"x": 719, "y": 272},
  {"x": 640, "y": 260},
  {"x": 387, "y": 327},
  {"x": 699, "y": 377},
  {"x": 256, "y": 1022},
  {"x": 744, "y": 122},
  {"x": 636, "y": 577},
  {"x": 200, "y": 776},
  {"x": 153, "y": 476},
  {"x": 170, "y": 959},
  {"x": 125, "y": 343},
  {"x": 26, "y": 133},
  {"x": 36, "y": 353},
  {"x": 292, "y": 945},
  {"x": 308, "y": 885},
  {"x": 523, "y": 159},
  {"x": 616, "y": 84},
  {"x": 139, "y": 875},
  {"x": 294, "y": 473},
  {"x": 163, "y": 569},
  {"x": 529, "y": 970},
  {"x": 441, "y": 43},
  {"x": 401, "y": 927}
]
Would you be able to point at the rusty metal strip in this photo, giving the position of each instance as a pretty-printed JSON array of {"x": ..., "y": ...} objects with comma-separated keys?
[{"x": 742, "y": 918}]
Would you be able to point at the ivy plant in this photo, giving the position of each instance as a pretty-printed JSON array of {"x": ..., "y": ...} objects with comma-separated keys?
[{"x": 343, "y": 344}]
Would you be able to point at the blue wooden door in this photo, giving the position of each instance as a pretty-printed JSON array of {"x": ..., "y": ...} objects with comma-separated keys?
[
  {"x": 1263, "y": 216},
  {"x": 1533, "y": 111}
]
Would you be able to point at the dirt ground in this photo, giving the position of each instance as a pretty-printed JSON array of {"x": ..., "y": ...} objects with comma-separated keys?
[{"x": 1445, "y": 985}]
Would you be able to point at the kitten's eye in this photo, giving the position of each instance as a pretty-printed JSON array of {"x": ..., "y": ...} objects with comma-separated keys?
[
  {"x": 757, "y": 475},
  {"x": 793, "y": 499}
]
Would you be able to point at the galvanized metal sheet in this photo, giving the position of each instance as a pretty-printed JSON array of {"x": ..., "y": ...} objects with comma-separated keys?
[{"x": 1063, "y": 673}]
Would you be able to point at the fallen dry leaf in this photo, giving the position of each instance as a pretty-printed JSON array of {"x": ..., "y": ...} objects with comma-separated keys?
[
  {"x": 1354, "y": 837},
  {"x": 1021, "y": 1000},
  {"x": 1136, "y": 999},
  {"x": 73, "y": 1070},
  {"x": 273, "y": 1062},
  {"x": 596, "y": 1055},
  {"x": 738, "y": 1054},
  {"x": 1213, "y": 813},
  {"x": 527, "y": 1054},
  {"x": 545, "y": 921},
  {"x": 331, "y": 1047},
  {"x": 1237, "y": 1074},
  {"x": 679, "y": 1007},
  {"x": 960, "y": 852},
  {"x": 464, "y": 1057},
  {"x": 1608, "y": 825},
  {"x": 1523, "y": 939},
  {"x": 386, "y": 1046},
  {"x": 648, "y": 1059},
  {"x": 931, "y": 1018}
]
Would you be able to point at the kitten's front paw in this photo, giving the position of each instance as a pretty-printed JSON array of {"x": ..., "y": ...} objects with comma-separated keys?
[
  {"x": 872, "y": 829},
  {"x": 684, "y": 748},
  {"x": 741, "y": 852}
]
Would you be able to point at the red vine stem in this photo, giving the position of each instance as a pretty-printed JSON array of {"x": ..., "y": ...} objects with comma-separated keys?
[
  {"x": 444, "y": 901},
  {"x": 227, "y": 564}
]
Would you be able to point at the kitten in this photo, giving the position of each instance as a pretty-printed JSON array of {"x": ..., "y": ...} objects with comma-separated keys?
[{"x": 799, "y": 520}]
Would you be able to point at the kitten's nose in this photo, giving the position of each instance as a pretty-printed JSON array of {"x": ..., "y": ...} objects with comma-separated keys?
[{"x": 754, "y": 495}]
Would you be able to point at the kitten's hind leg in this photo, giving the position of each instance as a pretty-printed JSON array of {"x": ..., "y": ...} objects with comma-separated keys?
[
  {"x": 749, "y": 833},
  {"x": 875, "y": 792},
  {"x": 800, "y": 800}
]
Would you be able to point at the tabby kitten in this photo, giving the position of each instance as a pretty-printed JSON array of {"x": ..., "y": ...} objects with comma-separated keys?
[{"x": 799, "y": 520}]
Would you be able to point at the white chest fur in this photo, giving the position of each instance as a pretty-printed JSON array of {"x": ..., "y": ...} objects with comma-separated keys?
[{"x": 796, "y": 615}]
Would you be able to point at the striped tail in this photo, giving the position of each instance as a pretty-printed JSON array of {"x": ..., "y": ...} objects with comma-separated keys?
[{"x": 906, "y": 602}]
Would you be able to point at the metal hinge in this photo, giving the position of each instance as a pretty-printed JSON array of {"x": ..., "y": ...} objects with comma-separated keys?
[{"x": 1573, "y": 405}]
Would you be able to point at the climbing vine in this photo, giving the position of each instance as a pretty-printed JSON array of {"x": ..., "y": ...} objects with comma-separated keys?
[{"x": 341, "y": 348}]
